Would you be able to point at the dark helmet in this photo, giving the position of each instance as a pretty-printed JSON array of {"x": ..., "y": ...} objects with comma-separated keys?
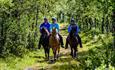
[
  {"x": 53, "y": 18},
  {"x": 72, "y": 21},
  {"x": 45, "y": 18}
]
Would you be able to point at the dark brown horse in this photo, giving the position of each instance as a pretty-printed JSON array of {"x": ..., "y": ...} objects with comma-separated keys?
[
  {"x": 73, "y": 42},
  {"x": 54, "y": 43},
  {"x": 44, "y": 42}
]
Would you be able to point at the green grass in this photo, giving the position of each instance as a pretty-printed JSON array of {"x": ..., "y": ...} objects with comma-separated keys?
[
  {"x": 91, "y": 56},
  {"x": 16, "y": 63}
]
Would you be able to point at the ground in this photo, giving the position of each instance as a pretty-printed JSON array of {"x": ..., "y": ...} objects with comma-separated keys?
[
  {"x": 66, "y": 62},
  {"x": 91, "y": 56}
]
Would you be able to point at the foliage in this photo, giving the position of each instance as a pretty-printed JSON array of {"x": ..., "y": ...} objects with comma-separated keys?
[{"x": 20, "y": 20}]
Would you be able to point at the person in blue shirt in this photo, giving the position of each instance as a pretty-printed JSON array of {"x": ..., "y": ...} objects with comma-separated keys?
[
  {"x": 46, "y": 25},
  {"x": 56, "y": 25},
  {"x": 73, "y": 25}
]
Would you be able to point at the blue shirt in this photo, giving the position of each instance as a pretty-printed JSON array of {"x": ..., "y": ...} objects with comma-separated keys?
[
  {"x": 54, "y": 25},
  {"x": 45, "y": 25},
  {"x": 77, "y": 29}
]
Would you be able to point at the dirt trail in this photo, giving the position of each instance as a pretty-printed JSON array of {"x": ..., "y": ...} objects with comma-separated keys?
[
  {"x": 46, "y": 65},
  {"x": 64, "y": 58}
]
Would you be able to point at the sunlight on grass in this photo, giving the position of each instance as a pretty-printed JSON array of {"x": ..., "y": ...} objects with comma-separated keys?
[{"x": 35, "y": 60}]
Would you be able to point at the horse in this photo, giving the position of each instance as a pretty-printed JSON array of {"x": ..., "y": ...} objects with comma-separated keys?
[
  {"x": 73, "y": 42},
  {"x": 54, "y": 43},
  {"x": 44, "y": 42}
]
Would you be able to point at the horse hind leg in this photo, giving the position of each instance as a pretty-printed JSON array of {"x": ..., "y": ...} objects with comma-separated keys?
[
  {"x": 75, "y": 52},
  {"x": 58, "y": 52},
  {"x": 47, "y": 53},
  {"x": 71, "y": 52},
  {"x": 55, "y": 56},
  {"x": 54, "y": 52}
]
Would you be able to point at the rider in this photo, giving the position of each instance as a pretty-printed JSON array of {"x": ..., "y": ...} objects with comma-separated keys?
[
  {"x": 72, "y": 24},
  {"x": 56, "y": 25},
  {"x": 46, "y": 25}
]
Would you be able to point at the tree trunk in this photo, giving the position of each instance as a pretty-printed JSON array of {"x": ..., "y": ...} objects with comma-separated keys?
[{"x": 102, "y": 26}]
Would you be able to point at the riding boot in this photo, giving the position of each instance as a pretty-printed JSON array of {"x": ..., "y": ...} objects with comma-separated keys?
[
  {"x": 49, "y": 38},
  {"x": 61, "y": 41},
  {"x": 66, "y": 46},
  {"x": 39, "y": 45},
  {"x": 79, "y": 40}
]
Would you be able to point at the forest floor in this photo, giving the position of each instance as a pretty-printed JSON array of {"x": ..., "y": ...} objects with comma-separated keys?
[
  {"x": 66, "y": 62},
  {"x": 90, "y": 57}
]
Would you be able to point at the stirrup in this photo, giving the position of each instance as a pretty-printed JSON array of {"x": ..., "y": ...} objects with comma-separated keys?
[{"x": 62, "y": 46}]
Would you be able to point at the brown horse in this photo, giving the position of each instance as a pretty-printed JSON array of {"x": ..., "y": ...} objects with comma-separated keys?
[
  {"x": 54, "y": 43},
  {"x": 73, "y": 42}
]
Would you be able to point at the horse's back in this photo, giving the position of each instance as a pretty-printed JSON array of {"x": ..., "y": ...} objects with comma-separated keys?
[
  {"x": 45, "y": 43},
  {"x": 73, "y": 41},
  {"x": 53, "y": 41},
  {"x": 45, "y": 35}
]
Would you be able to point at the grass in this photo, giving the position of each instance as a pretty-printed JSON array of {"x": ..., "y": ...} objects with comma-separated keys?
[{"x": 91, "y": 56}]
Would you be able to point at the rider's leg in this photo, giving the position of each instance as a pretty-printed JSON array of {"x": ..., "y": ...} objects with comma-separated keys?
[
  {"x": 67, "y": 39},
  {"x": 61, "y": 40},
  {"x": 79, "y": 40},
  {"x": 49, "y": 38},
  {"x": 40, "y": 40}
]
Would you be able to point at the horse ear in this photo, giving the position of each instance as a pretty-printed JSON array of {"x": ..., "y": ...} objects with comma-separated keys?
[
  {"x": 43, "y": 28},
  {"x": 53, "y": 27}
]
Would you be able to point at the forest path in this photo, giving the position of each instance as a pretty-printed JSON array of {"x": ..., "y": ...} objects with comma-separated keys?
[{"x": 65, "y": 61}]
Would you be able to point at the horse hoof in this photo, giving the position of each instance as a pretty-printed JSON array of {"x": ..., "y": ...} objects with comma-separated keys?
[
  {"x": 38, "y": 47},
  {"x": 51, "y": 62},
  {"x": 70, "y": 54},
  {"x": 66, "y": 47},
  {"x": 58, "y": 56},
  {"x": 55, "y": 59},
  {"x": 74, "y": 57},
  {"x": 47, "y": 59}
]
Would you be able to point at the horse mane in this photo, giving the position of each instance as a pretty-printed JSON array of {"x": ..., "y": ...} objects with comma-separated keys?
[
  {"x": 44, "y": 31},
  {"x": 54, "y": 31},
  {"x": 73, "y": 31}
]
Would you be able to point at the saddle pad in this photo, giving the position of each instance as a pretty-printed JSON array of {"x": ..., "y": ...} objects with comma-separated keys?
[{"x": 57, "y": 36}]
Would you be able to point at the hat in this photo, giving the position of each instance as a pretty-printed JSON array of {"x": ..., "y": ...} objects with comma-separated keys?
[
  {"x": 45, "y": 18},
  {"x": 53, "y": 18},
  {"x": 72, "y": 19}
]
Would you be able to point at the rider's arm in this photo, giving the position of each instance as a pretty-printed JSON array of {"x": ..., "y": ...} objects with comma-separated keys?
[
  {"x": 40, "y": 27},
  {"x": 78, "y": 30},
  {"x": 57, "y": 26},
  {"x": 48, "y": 27},
  {"x": 51, "y": 27},
  {"x": 69, "y": 28}
]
